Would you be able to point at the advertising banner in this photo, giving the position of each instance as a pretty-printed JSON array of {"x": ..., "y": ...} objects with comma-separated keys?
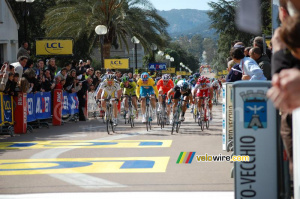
[
  {"x": 8, "y": 109},
  {"x": 42, "y": 101},
  {"x": 57, "y": 47},
  {"x": 169, "y": 71},
  {"x": 157, "y": 66},
  {"x": 73, "y": 103},
  {"x": 116, "y": 63},
  {"x": 30, "y": 108}
]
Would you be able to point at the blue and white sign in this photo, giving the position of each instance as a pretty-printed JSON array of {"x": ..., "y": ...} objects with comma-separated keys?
[
  {"x": 73, "y": 103},
  {"x": 255, "y": 135},
  {"x": 65, "y": 110},
  {"x": 157, "y": 66},
  {"x": 42, "y": 105},
  {"x": 255, "y": 106},
  {"x": 30, "y": 108}
]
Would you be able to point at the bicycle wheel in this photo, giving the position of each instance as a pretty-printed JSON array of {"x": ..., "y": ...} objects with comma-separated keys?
[
  {"x": 174, "y": 123},
  {"x": 195, "y": 113},
  {"x": 207, "y": 118},
  {"x": 147, "y": 118},
  {"x": 107, "y": 125},
  {"x": 178, "y": 127},
  {"x": 131, "y": 121}
]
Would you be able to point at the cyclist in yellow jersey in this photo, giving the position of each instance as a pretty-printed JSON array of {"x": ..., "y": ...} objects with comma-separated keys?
[{"x": 146, "y": 85}]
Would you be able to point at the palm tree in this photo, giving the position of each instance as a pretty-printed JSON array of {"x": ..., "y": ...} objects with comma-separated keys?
[{"x": 123, "y": 18}]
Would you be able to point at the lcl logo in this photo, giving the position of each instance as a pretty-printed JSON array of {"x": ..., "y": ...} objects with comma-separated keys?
[{"x": 54, "y": 45}]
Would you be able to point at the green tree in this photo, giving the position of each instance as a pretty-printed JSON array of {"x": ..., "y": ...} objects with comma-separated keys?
[
  {"x": 223, "y": 16},
  {"x": 123, "y": 18},
  {"x": 34, "y": 20}
]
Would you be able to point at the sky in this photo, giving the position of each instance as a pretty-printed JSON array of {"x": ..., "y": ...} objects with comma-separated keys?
[{"x": 181, "y": 4}]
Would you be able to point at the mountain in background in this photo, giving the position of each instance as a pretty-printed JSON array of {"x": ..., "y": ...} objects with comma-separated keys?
[{"x": 188, "y": 22}]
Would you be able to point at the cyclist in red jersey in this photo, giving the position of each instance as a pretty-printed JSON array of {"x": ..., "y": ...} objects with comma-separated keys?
[
  {"x": 163, "y": 87},
  {"x": 202, "y": 90}
]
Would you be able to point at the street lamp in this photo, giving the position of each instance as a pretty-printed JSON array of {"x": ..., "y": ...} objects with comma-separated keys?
[
  {"x": 25, "y": 12},
  {"x": 171, "y": 60},
  {"x": 135, "y": 41},
  {"x": 101, "y": 30}
]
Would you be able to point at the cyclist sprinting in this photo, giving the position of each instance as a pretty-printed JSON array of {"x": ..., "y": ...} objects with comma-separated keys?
[
  {"x": 163, "y": 87},
  {"x": 215, "y": 86},
  {"x": 146, "y": 85},
  {"x": 181, "y": 88},
  {"x": 202, "y": 90},
  {"x": 110, "y": 87},
  {"x": 129, "y": 88}
]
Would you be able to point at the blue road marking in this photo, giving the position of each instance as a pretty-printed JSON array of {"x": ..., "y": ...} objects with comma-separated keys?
[
  {"x": 138, "y": 164},
  {"x": 151, "y": 144},
  {"x": 22, "y": 145}
]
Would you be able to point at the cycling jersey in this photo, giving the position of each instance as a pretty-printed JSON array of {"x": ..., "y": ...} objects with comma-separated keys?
[
  {"x": 177, "y": 87},
  {"x": 143, "y": 88},
  {"x": 202, "y": 91},
  {"x": 215, "y": 84},
  {"x": 109, "y": 90},
  {"x": 130, "y": 89},
  {"x": 165, "y": 87}
]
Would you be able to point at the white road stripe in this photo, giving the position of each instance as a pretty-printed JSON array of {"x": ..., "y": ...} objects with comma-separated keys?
[{"x": 131, "y": 195}]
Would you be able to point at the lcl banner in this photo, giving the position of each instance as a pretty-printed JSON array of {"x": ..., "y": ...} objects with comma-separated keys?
[
  {"x": 57, "y": 47},
  {"x": 8, "y": 109}
]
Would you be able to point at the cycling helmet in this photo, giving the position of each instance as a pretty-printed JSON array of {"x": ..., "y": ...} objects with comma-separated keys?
[
  {"x": 166, "y": 77},
  {"x": 196, "y": 75},
  {"x": 110, "y": 77},
  {"x": 145, "y": 76},
  {"x": 125, "y": 79},
  {"x": 184, "y": 86}
]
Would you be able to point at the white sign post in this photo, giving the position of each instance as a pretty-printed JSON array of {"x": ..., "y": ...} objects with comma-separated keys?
[{"x": 255, "y": 135}]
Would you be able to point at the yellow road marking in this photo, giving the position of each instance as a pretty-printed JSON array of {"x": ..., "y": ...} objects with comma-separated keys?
[{"x": 86, "y": 144}]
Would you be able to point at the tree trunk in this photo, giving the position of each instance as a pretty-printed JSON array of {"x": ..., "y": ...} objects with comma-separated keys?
[{"x": 106, "y": 50}]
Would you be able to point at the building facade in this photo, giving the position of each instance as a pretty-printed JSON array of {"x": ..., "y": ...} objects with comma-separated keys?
[{"x": 8, "y": 33}]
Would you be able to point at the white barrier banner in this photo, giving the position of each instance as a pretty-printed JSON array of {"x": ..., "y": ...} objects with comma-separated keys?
[
  {"x": 296, "y": 152},
  {"x": 92, "y": 105}
]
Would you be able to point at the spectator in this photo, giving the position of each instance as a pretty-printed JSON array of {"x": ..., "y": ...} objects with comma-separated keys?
[
  {"x": 263, "y": 61},
  {"x": 29, "y": 75},
  {"x": 246, "y": 52},
  {"x": 259, "y": 42},
  {"x": 23, "y": 50},
  {"x": 24, "y": 85},
  {"x": 16, "y": 84},
  {"x": 10, "y": 87},
  {"x": 52, "y": 67},
  {"x": 88, "y": 64},
  {"x": 235, "y": 73},
  {"x": 82, "y": 97},
  {"x": 80, "y": 69},
  {"x": 70, "y": 84},
  {"x": 57, "y": 82},
  {"x": 98, "y": 76},
  {"x": 39, "y": 67},
  {"x": 248, "y": 66},
  {"x": 29, "y": 64},
  {"x": 47, "y": 82},
  {"x": 63, "y": 73},
  {"x": 22, "y": 60}
]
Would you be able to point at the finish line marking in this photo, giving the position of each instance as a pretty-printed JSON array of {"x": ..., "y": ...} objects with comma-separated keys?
[
  {"x": 84, "y": 165},
  {"x": 87, "y": 144}
]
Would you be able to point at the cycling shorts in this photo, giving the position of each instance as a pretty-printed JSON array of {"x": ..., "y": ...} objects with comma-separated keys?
[{"x": 146, "y": 90}]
